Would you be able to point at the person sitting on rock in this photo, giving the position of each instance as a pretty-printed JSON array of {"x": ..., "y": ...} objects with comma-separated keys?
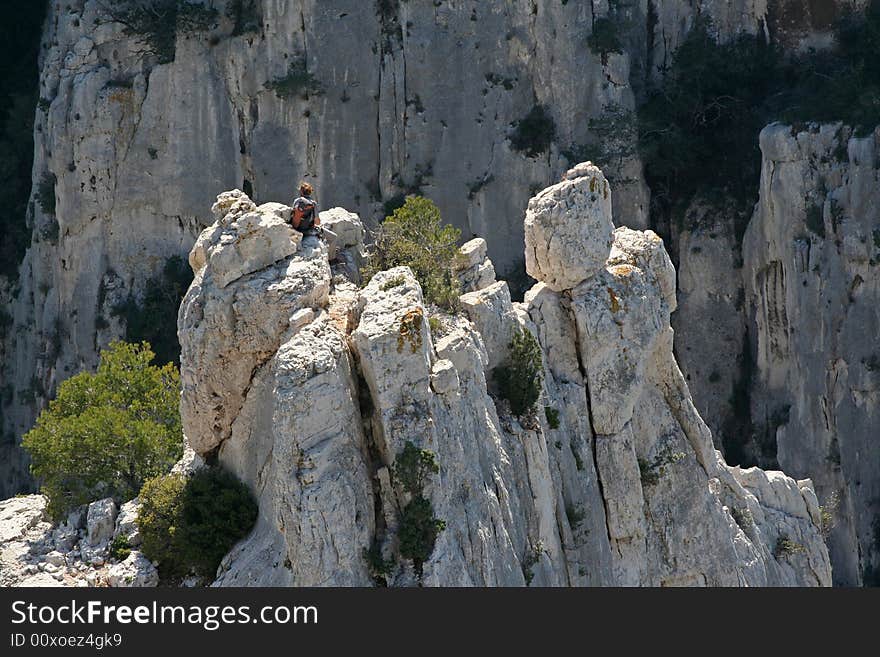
[{"x": 305, "y": 217}]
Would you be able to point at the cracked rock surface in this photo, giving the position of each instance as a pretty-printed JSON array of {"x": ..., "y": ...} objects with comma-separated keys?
[{"x": 622, "y": 487}]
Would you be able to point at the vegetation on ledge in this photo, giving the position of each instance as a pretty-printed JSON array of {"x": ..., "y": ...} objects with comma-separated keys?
[{"x": 106, "y": 433}]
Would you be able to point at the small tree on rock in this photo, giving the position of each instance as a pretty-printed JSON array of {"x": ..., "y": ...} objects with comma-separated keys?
[
  {"x": 188, "y": 524},
  {"x": 519, "y": 378},
  {"x": 108, "y": 432},
  {"x": 415, "y": 236}
]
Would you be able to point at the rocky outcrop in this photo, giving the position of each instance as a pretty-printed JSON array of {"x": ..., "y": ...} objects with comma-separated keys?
[
  {"x": 473, "y": 267},
  {"x": 560, "y": 252},
  {"x": 34, "y": 551},
  {"x": 612, "y": 481},
  {"x": 344, "y": 93},
  {"x": 812, "y": 280},
  {"x": 778, "y": 355},
  {"x": 129, "y": 151},
  {"x": 134, "y": 151}
]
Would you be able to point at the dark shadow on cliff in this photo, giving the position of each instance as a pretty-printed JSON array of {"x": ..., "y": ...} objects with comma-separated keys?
[{"x": 19, "y": 48}]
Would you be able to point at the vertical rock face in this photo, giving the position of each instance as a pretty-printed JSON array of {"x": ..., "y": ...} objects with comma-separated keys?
[
  {"x": 614, "y": 482},
  {"x": 710, "y": 324},
  {"x": 812, "y": 276},
  {"x": 130, "y": 152}
]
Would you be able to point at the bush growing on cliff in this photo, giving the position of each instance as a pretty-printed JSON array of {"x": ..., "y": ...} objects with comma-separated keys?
[
  {"x": 418, "y": 532},
  {"x": 418, "y": 525},
  {"x": 246, "y": 16},
  {"x": 188, "y": 524},
  {"x": 120, "y": 548},
  {"x": 297, "y": 82},
  {"x": 842, "y": 84},
  {"x": 785, "y": 547},
  {"x": 605, "y": 38},
  {"x": 651, "y": 471},
  {"x": 415, "y": 236},
  {"x": 5, "y": 322},
  {"x": 108, "y": 432},
  {"x": 534, "y": 133},
  {"x": 519, "y": 379},
  {"x": 157, "y": 23},
  {"x": 413, "y": 465},
  {"x": 698, "y": 130}
]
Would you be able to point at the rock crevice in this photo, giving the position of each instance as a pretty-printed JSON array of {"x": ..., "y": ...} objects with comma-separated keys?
[{"x": 611, "y": 480}]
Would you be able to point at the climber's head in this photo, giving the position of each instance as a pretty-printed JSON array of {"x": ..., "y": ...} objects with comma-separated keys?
[{"x": 305, "y": 189}]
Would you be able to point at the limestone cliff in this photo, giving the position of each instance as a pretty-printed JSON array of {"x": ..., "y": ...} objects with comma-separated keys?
[
  {"x": 310, "y": 389},
  {"x": 780, "y": 347},
  {"x": 261, "y": 93},
  {"x": 812, "y": 280},
  {"x": 348, "y": 94}
]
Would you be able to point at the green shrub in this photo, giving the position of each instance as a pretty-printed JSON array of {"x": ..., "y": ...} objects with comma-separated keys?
[
  {"x": 5, "y": 322},
  {"x": 156, "y": 24},
  {"x": 189, "y": 524},
  {"x": 650, "y": 472},
  {"x": 870, "y": 576},
  {"x": 605, "y": 38},
  {"x": 497, "y": 80},
  {"x": 716, "y": 97},
  {"x": 418, "y": 532},
  {"x": 648, "y": 476},
  {"x": 875, "y": 528},
  {"x": 615, "y": 137},
  {"x": 50, "y": 230},
  {"x": 530, "y": 560},
  {"x": 393, "y": 203},
  {"x": 391, "y": 283},
  {"x": 297, "y": 82},
  {"x": 575, "y": 515},
  {"x": 828, "y": 514},
  {"x": 158, "y": 519},
  {"x": 120, "y": 548},
  {"x": 412, "y": 466},
  {"x": 534, "y": 133},
  {"x": 418, "y": 527},
  {"x": 106, "y": 433},
  {"x": 415, "y": 236},
  {"x": 153, "y": 318},
  {"x": 552, "y": 416},
  {"x": 743, "y": 517},
  {"x": 245, "y": 15},
  {"x": 710, "y": 103},
  {"x": 841, "y": 84},
  {"x": 519, "y": 379},
  {"x": 785, "y": 547},
  {"x": 380, "y": 567}
]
